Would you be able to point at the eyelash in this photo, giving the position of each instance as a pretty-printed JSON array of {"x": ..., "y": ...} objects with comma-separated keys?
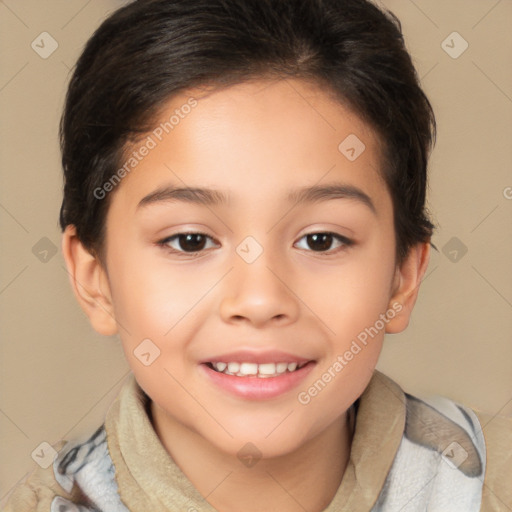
[{"x": 346, "y": 242}]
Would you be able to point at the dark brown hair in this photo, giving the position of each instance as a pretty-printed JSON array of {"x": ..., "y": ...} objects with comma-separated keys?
[{"x": 148, "y": 51}]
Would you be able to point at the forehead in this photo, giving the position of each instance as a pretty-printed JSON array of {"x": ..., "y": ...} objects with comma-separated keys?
[{"x": 264, "y": 135}]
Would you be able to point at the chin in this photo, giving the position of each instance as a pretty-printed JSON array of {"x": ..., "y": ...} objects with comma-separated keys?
[{"x": 265, "y": 440}]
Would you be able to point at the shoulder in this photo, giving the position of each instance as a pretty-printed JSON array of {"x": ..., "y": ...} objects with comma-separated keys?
[
  {"x": 448, "y": 429},
  {"x": 39, "y": 490},
  {"x": 81, "y": 479},
  {"x": 441, "y": 460},
  {"x": 497, "y": 492}
]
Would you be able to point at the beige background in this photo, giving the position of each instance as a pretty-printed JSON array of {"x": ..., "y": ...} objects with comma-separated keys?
[{"x": 58, "y": 377}]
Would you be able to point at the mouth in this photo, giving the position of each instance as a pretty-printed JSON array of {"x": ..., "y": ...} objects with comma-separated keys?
[
  {"x": 257, "y": 376},
  {"x": 260, "y": 371}
]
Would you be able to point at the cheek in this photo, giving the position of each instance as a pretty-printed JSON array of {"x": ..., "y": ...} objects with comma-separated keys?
[
  {"x": 337, "y": 385},
  {"x": 150, "y": 296},
  {"x": 353, "y": 309},
  {"x": 352, "y": 296}
]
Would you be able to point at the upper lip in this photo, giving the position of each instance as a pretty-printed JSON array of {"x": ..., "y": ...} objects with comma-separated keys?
[{"x": 258, "y": 357}]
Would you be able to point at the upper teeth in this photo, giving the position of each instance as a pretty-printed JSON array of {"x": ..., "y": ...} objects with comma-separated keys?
[{"x": 260, "y": 370}]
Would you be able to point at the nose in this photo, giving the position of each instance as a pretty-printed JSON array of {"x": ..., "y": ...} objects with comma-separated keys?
[{"x": 259, "y": 293}]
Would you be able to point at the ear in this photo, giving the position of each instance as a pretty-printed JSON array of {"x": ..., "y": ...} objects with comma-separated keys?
[
  {"x": 407, "y": 282},
  {"x": 90, "y": 284}
]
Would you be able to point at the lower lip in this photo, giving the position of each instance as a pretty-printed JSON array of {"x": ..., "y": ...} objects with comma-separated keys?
[{"x": 256, "y": 388}]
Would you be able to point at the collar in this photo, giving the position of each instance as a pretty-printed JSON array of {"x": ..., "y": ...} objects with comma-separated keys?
[{"x": 148, "y": 478}]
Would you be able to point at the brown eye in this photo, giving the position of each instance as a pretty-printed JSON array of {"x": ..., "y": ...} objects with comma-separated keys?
[
  {"x": 186, "y": 242},
  {"x": 192, "y": 242},
  {"x": 322, "y": 242}
]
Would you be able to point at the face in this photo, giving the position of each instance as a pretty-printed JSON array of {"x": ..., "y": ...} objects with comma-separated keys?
[{"x": 254, "y": 310}]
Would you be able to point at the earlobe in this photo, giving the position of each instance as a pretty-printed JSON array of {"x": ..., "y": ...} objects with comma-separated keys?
[
  {"x": 407, "y": 284},
  {"x": 89, "y": 282}
]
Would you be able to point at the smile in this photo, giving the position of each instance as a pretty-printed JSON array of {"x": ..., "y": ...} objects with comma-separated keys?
[
  {"x": 261, "y": 380},
  {"x": 262, "y": 371}
]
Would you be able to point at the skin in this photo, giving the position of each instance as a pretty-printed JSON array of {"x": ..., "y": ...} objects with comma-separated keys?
[{"x": 255, "y": 142}]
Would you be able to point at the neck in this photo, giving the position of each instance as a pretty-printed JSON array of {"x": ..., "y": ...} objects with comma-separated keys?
[{"x": 305, "y": 479}]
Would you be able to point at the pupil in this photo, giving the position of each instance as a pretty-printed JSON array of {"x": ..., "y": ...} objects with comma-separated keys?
[
  {"x": 324, "y": 238},
  {"x": 191, "y": 240}
]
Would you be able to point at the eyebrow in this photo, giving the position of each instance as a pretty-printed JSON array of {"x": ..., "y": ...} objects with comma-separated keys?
[{"x": 212, "y": 197}]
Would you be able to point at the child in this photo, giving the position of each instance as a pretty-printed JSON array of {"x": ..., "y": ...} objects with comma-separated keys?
[{"x": 244, "y": 205}]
